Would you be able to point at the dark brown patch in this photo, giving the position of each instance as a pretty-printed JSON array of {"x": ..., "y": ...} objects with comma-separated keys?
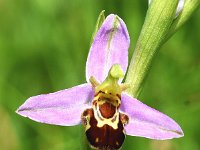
[
  {"x": 107, "y": 110},
  {"x": 86, "y": 113},
  {"x": 105, "y": 138},
  {"x": 124, "y": 118}
]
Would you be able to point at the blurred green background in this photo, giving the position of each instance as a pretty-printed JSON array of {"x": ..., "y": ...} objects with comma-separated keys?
[{"x": 43, "y": 48}]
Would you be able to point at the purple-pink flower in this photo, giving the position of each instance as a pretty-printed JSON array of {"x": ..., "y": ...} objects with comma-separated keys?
[{"x": 65, "y": 107}]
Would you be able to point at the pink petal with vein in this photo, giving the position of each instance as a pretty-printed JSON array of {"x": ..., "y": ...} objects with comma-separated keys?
[
  {"x": 147, "y": 122},
  {"x": 109, "y": 47},
  {"x": 60, "y": 108}
]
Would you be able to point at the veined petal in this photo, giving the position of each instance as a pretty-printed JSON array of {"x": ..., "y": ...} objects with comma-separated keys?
[
  {"x": 60, "y": 108},
  {"x": 110, "y": 46},
  {"x": 147, "y": 122}
]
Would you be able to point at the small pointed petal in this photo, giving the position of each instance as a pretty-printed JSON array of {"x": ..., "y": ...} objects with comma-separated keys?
[
  {"x": 60, "y": 108},
  {"x": 145, "y": 121},
  {"x": 109, "y": 47}
]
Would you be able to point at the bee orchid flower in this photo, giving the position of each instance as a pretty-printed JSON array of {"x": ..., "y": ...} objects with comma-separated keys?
[{"x": 101, "y": 104}]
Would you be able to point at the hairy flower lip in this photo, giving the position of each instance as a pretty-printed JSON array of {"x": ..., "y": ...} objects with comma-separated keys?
[{"x": 144, "y": 120}]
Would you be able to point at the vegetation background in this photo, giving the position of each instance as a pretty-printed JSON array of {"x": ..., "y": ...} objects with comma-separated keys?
[{"x": 43, "y": 48}]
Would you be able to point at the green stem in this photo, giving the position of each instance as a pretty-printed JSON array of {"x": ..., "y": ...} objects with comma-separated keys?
[{"x": 157, "y": 23}]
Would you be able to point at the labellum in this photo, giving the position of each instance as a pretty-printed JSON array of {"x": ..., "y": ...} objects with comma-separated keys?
[{"x": 104, "y": 124}]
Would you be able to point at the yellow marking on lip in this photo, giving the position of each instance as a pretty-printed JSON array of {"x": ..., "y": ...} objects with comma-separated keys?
[
  {"x": 87, "y": 126},
  {"x": 101, "y": 121},
  {"x": 97, "y": 140},
  {"x": 113, "y": 99}
]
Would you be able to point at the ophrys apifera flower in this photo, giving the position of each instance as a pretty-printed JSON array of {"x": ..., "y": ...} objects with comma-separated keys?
[{"x": 102, "y": 105}]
